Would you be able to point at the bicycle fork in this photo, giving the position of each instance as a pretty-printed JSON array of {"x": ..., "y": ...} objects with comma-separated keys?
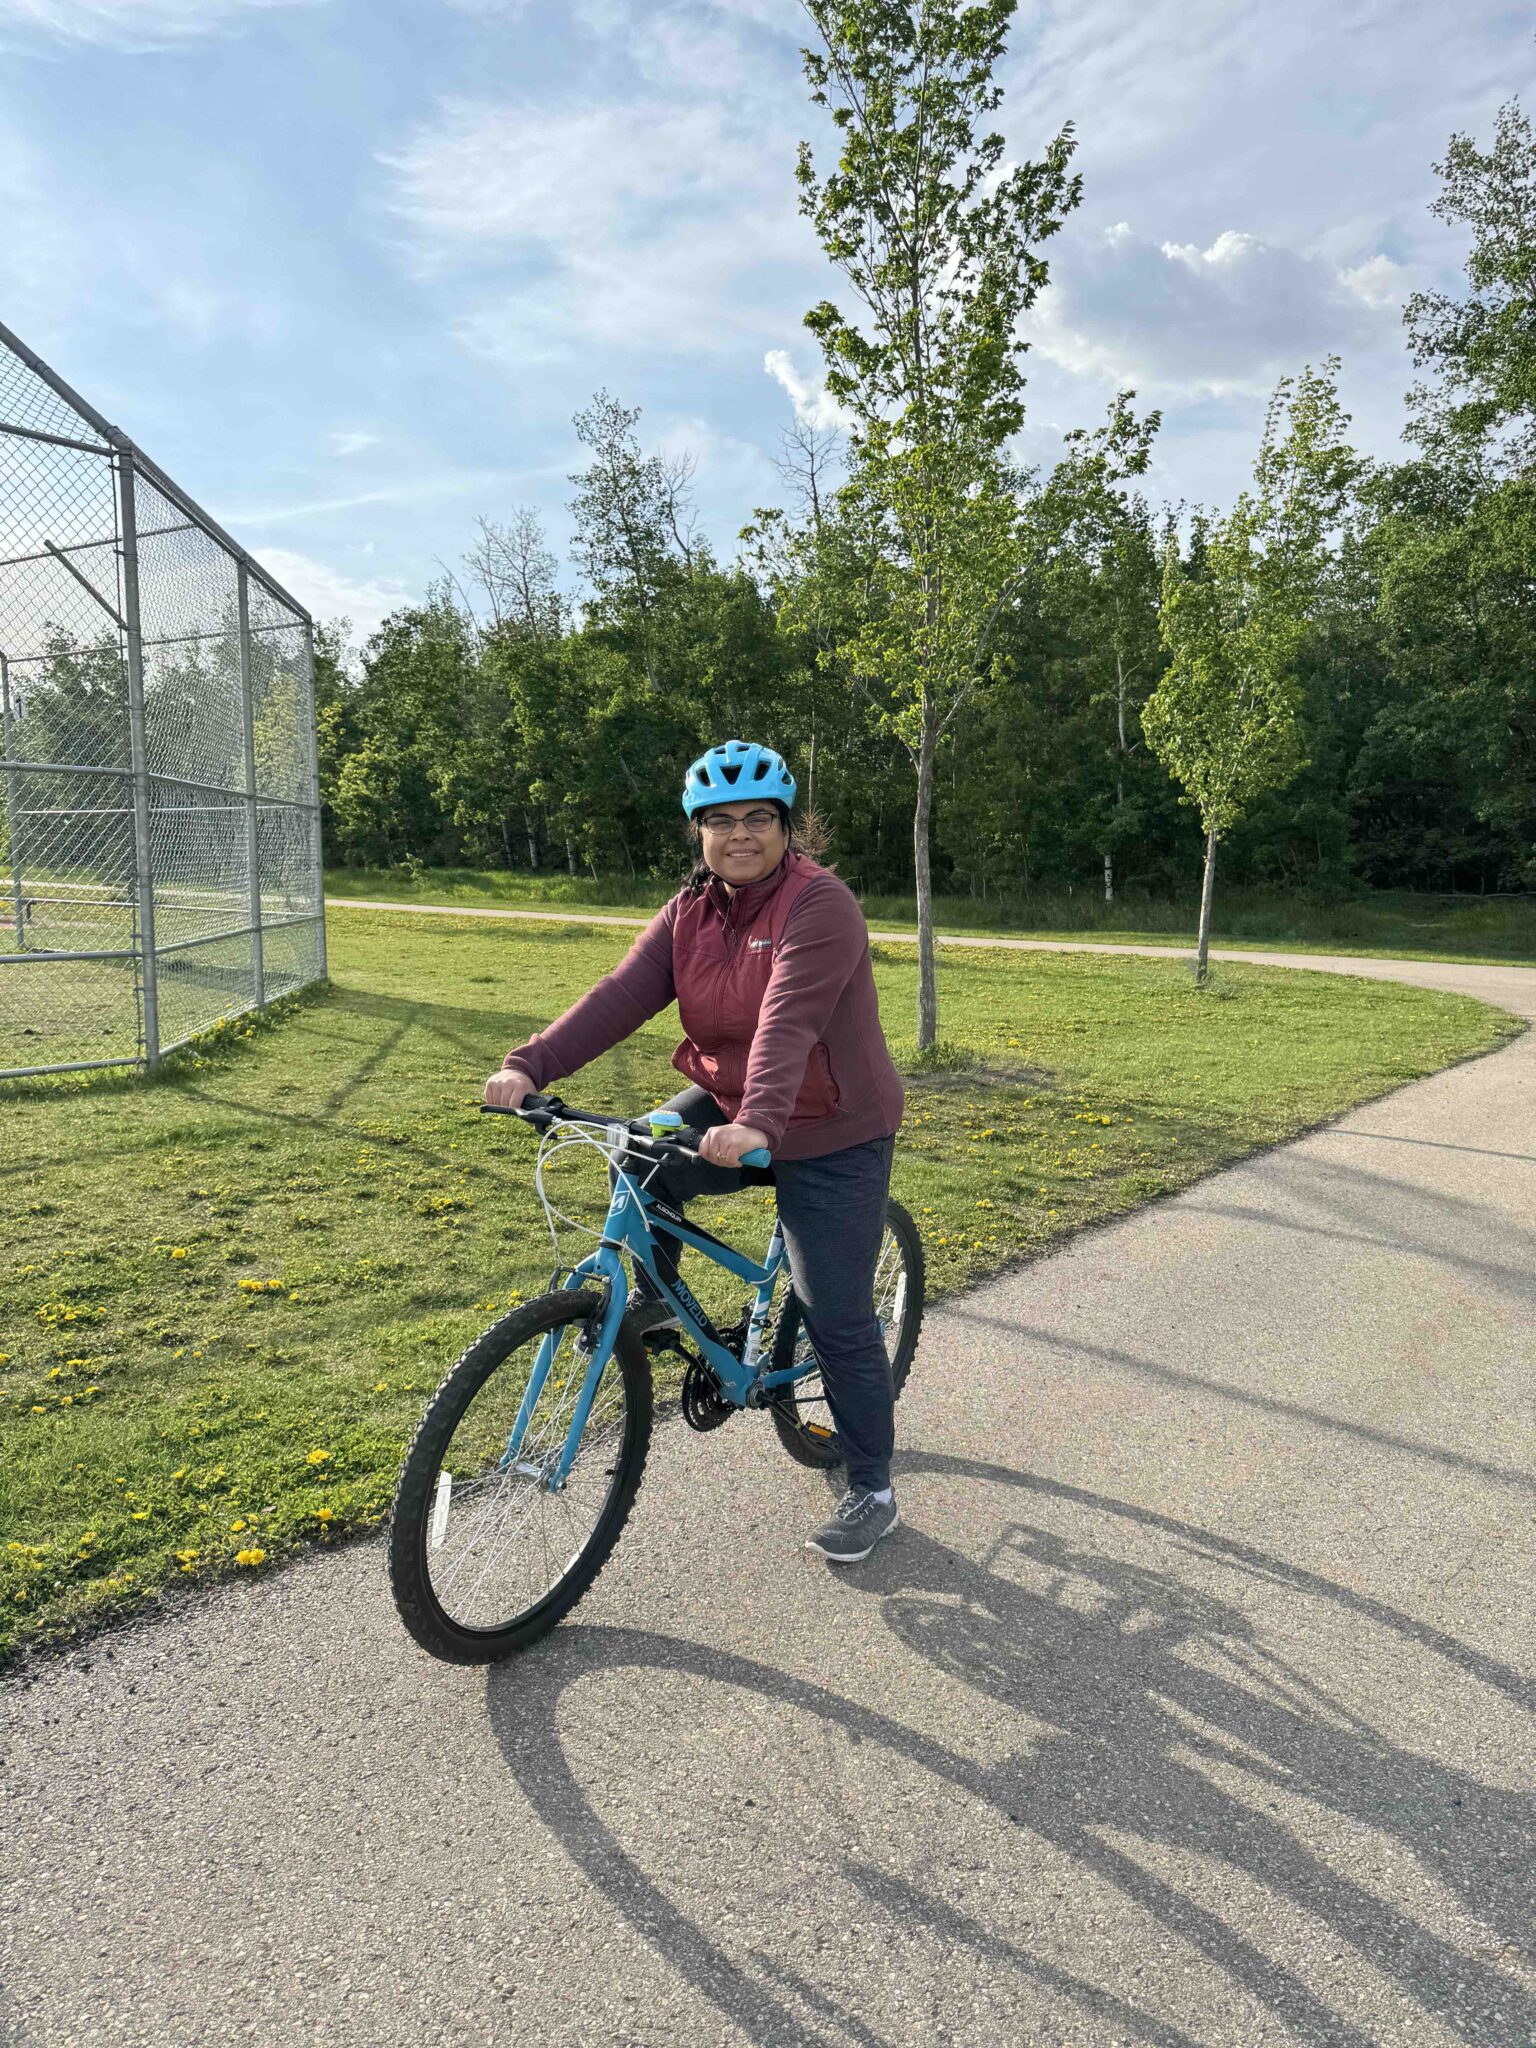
[{"x": 606, "y": 1265}]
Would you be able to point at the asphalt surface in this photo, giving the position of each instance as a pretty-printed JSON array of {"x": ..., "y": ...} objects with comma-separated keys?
[{"x": 1189, "y": 1707}]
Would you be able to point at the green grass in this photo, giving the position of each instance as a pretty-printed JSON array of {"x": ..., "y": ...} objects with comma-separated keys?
[
  {"x": 500, "y": 888},
  {"x": 227, "y": 1292},
  {"x": 1383, "y": 923}
]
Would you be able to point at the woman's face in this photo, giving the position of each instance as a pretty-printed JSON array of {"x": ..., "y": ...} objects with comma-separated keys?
[{"x": 742, "y": 842}]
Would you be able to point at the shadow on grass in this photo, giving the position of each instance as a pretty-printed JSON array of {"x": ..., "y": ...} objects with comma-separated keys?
[{"x": 1130, "y": 1639}]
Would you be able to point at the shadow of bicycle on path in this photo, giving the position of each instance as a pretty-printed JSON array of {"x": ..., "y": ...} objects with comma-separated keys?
[{"x": 1165, "y": 1741}]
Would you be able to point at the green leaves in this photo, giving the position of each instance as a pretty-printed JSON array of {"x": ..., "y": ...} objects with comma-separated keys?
[
  {"x": 935, "y": 235},
  {"x": 1225, "y": 720},
  {"x": 1483, "y": 347}
]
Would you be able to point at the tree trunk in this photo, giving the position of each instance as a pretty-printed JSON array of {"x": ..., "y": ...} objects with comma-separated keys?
[
  {"x": 927, "y": 987},
  {"x": 531, "y": 826},
  {"x": 1203, "y": 946},
  {"x": 570, "y": 856},
  {"x": 1109, "y": 878}
]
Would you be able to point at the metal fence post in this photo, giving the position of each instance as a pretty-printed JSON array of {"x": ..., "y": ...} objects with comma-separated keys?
[
  {"x": 143, "y": 861},
  {"x": 11, "y": 812},
  {"x": 252, "y": 816},
  {"x": 312, "y": 741}
]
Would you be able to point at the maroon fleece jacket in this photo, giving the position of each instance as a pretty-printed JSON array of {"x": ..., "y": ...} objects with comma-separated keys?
[{"x": 777, "y": 997}]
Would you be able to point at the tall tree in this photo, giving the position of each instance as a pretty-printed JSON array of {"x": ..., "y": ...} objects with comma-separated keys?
[
  {"x": 1456, "y": 545},
  {"x": 514, "y": 568},
  {"x": 938, "y": 239},
  {"x": 1482, "y": 349},
  {"x": 1098, "y": 573},
  {"x": 635, "y": 537},
  {"x": 1225, "y": 717}
]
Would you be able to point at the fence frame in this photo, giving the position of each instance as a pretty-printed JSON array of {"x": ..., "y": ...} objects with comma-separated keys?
[{"x": 141, "y": 780}]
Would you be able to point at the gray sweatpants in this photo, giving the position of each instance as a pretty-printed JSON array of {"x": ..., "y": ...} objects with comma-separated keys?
[{"x": 833, "y": 1214}]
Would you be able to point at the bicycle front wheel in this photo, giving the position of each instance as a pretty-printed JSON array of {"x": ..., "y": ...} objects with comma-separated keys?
[
  {"x": 487, "y": 1549},
  {"x": 801, "y": 1414}
]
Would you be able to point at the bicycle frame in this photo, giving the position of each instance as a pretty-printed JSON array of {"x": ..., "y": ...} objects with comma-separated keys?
[{"x": 629, "y": 1225}]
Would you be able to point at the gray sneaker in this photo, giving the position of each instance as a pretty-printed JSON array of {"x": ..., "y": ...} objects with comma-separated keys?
[{"x": 857, "y": 1525}]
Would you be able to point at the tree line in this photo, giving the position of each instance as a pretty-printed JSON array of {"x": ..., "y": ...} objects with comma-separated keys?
[{"x": 992, "y": 680}]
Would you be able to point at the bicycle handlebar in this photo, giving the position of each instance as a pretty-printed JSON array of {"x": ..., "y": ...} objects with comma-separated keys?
[{"x": 544, "y": 1110}]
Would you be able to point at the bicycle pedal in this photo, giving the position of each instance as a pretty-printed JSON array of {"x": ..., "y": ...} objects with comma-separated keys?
[{"x": 664, "y": 1340}]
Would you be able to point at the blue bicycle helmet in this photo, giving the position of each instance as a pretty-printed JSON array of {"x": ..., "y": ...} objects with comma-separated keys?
[{"x": 727, "y": 774}]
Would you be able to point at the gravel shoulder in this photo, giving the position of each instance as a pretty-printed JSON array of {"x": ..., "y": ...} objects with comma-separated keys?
[{"x": 1190, "y": 1705}]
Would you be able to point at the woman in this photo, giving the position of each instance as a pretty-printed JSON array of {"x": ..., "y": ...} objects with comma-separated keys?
[{"x": 767, "y": 957}]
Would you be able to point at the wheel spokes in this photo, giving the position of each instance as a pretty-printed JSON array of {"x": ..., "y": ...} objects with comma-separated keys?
[{"x": 501, "y": 1534}]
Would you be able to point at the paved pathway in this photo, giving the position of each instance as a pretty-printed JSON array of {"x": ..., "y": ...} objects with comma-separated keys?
[{"x": 1189, "y": 1709}]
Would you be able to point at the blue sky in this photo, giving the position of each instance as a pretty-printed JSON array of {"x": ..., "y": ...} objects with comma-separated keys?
[{"x": 347, "y": 267}]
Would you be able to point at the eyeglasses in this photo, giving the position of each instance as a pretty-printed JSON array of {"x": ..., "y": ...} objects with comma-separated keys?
[{"x": 756, "y": 822}]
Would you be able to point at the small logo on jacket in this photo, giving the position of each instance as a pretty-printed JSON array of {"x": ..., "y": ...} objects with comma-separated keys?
[{"x": 759, "y": 945}]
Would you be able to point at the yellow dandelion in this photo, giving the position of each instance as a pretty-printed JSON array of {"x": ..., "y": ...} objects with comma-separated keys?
[
  {"x": 236, "y": 1527},
  {"x": 324, "y": 1514},
  {"x": 250, "y": 1557},
  {"x": 318, "y": 1457},
  {"x": 178, "y": 1251},
  {"x": 139, "y": 1515}
]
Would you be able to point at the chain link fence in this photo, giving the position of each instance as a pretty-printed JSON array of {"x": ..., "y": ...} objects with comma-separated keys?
[{"x": 159, "y": 821}]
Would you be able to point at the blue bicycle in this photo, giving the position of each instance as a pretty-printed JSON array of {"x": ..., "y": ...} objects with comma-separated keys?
[{"x": 523, "y": 1470}]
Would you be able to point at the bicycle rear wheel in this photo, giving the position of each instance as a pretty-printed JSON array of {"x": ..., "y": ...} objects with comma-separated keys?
[
  {"x": 485, "y": 1557},
  {"x": 801, "y": 1414}
]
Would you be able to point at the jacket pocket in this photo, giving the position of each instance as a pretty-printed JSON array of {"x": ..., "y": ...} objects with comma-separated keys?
[
  {"x": 723, "y": 1072},
  {"x": 818, "y": 1097}
]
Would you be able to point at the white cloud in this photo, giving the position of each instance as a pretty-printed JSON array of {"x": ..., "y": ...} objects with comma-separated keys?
[
  {"x": 483, "y": 179},
  {"x": 1379, "y": 281},
  {"x": 414, "y": 491},
  {"x": 728, "y": 467},
  {"x": 1227, "y": 318},
  {"x": 618, "y": 226},
  {"x": 351, "y": 440},
  {"x": 132, "y": 24},
  {"x": 809, "y": 395},
  {"x": 330, "y": 594}
]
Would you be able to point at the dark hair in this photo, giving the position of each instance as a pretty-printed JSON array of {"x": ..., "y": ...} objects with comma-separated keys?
[{"x": 810, "y": 837}]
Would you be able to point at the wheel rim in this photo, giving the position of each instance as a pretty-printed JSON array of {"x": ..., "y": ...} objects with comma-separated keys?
[
  {"x": 498, "y": 1538},
  {"x": 805, "y": 1400}
]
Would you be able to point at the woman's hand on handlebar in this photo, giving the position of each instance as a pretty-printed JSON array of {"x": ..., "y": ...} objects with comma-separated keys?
[
  {"x": 508, "y": 1088},
  {"x": 724, "y": 1144}
]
